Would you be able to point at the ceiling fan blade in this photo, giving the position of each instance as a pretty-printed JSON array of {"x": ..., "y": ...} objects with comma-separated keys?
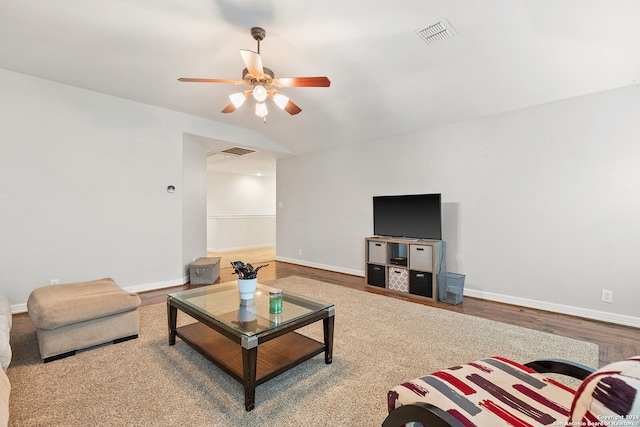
[
  {"x": 229, "y": 108},
  {"x": 292, "y": 108},
  {"x": 188, "y": 79},
  {"x": 302, "y": 82},
  {"x": 284, "y": 102},
  {"x": 253, "y": 61},
  {"x": 237, "y": 99}
]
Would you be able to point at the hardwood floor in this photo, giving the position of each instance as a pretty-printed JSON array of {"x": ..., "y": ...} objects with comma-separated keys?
[{"x": 616, "y": 342}]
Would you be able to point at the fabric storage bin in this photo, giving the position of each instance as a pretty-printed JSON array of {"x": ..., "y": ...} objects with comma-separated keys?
[
  {"x": 399, "y": 279},
  {"x": 420, "y": 283},
  {"x": 420, "y": 257},
  {"x": 376, "y": 275},
  {"x": 204, "y": 271},
  {"x": 450, "y": 287},
  {"x": 377, "y": 252}
]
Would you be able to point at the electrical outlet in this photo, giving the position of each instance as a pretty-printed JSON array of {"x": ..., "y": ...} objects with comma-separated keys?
[
  {"x": 607, "y": 295},
  {"x": 299, "y": 252},
  {"x": 54, "y": 281}
]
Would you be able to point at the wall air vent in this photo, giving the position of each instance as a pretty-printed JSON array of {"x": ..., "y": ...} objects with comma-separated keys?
[
  {"x": 437, "y": 32},
  {"x": 237, "y": 151}
]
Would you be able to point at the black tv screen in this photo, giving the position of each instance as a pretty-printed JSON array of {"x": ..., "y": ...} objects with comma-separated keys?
[{"x": 416, "y": 216}]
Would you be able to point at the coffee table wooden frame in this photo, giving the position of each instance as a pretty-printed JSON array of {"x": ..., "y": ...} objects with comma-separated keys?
[{"x": 281, "y": 348}]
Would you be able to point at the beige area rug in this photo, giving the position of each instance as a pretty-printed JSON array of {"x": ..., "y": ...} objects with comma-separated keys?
[
  {"x": 379, "y": 342},
  {"x": 252, "y": 256}
]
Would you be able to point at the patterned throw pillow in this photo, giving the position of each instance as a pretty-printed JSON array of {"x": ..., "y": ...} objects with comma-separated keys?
[{"x": 609, "y": 396}]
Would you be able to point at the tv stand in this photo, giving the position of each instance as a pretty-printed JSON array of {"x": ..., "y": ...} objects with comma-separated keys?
[{"x": 404, "y": 265}]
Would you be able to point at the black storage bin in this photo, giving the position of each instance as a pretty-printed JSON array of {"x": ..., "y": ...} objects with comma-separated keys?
[
  {"x": 376, "y": 275},
  {"x": 420, "y": 283}
]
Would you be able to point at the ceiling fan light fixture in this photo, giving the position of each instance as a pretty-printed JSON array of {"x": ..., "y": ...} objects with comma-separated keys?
[
  {"x": 261, "y": 109},
  {"x": 259, "y": 79},
  {"x": 237, "y": 99},
  {"x": 259, "y": 93},
  {"x": 280, "y": 100}
]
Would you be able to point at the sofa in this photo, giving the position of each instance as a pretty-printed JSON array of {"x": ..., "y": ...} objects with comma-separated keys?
[{"x": 5, "y": 358}]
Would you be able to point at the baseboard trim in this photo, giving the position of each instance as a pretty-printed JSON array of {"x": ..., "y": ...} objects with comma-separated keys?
[
  {"x": 602, "y": 316},
  {"x": 241, "y": 248},
  {"x": 19, "y": 308},
  {"x": 620, "y": 319},
  {"x": 321, "y": 266},
  {"x": 156, "y": 285}
]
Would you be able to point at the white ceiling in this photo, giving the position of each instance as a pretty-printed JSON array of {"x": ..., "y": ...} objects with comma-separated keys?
[{"x": 385, "y": 80}]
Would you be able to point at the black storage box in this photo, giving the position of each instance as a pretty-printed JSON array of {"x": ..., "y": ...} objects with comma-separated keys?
[
  {"x": 376, "y": 275},
  {"x": 420, "y": 283}
]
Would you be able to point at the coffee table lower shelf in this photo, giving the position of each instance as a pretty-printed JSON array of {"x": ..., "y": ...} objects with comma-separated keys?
[{"x": 274, "y": 356}]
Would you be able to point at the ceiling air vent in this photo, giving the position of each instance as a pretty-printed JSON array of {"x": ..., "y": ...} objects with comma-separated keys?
[
  {"x": 437, "y": 32},
  {"x": 237, "y": 151}
]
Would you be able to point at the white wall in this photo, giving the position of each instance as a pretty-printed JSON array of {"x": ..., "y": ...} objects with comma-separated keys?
[
  {"x": 194, "y": 201},
  {"x": 541, "y": 205},
  {"x": 240, "y": 211},
  {"x": 84, "y": 187}
]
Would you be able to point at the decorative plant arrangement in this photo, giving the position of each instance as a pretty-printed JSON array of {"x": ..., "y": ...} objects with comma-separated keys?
[{"x": 246, "y": 271}]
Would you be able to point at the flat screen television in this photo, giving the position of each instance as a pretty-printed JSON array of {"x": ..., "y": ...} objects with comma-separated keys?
[{"x": 415, "y": 216}]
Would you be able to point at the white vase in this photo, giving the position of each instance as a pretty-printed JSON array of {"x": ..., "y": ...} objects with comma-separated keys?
[{"x": 247, "y": 287}]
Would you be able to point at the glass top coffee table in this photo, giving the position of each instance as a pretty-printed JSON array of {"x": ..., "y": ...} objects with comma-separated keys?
[{"x": 230, "y": 331}]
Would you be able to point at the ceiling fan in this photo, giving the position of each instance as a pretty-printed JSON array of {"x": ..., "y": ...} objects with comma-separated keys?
[{"x": 262, "y": 81}]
